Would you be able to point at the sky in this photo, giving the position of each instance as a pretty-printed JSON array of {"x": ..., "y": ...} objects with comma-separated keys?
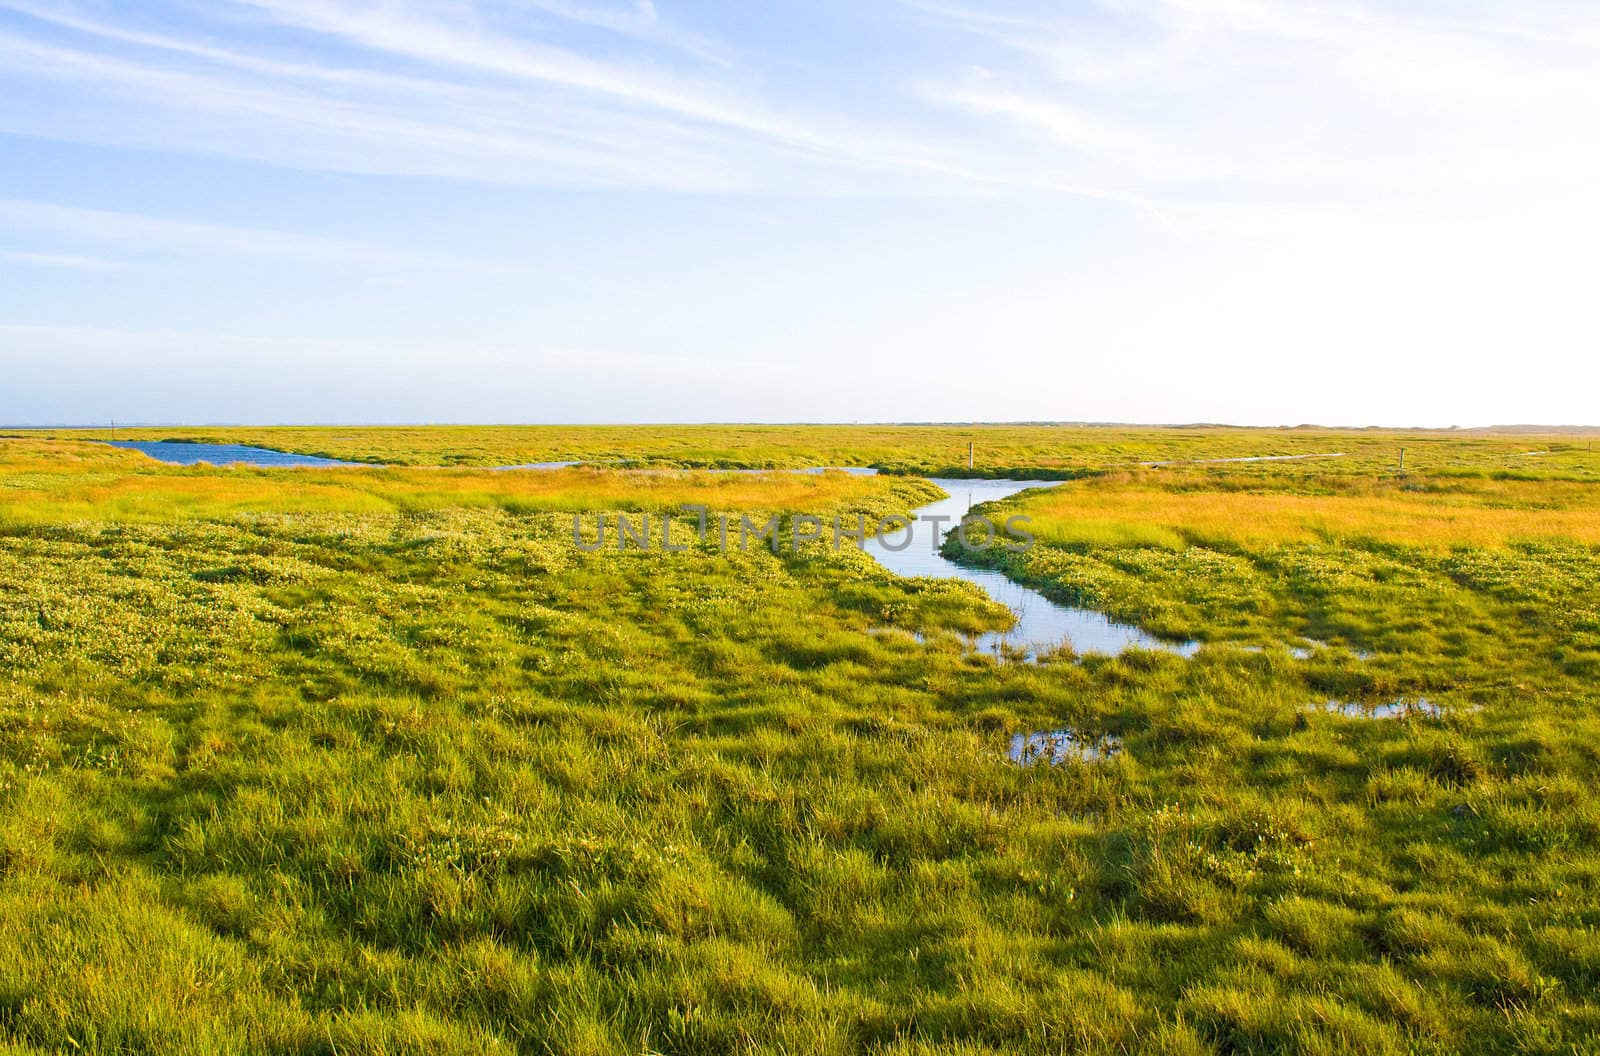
[{"x": 1249, "y": 211}]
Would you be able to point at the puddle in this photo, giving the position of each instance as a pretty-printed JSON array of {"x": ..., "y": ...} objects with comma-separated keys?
[
  {"x": 186, "y": 454},
  {"x": 1041, "y": 624},
  {"x": 1246, "y": 458},
  {"x": 1060, "y": 747},
  {"x": 1299, "y": 652},
  {"x": 1404, "y": 708},
  {"x": 854, "y": 471},
  {"x": 1307, "y": 649},
  {"x": 538, "y": 465}
]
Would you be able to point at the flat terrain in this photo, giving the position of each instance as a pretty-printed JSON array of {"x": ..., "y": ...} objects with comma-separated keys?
[
  {"x": 377, "y": 760},
  {"x": 926, "y": 450}
]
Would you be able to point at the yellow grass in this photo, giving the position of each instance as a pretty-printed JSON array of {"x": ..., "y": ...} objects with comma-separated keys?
[
  {"x": 1479, "y": 513},
  {"x": 45, "y": 481}
]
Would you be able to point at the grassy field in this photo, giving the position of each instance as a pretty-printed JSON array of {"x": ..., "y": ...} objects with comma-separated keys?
[
  {"x": 56, "y": 482},
  {"x": 377, "y": 761},
  {"x": 926, "y": 450}
]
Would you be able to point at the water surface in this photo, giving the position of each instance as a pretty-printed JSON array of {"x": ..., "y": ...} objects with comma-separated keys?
[
  {"x": 1404, "y": 708},
  {"x": 1041, "y": 624},
  {"x": 182, "y": 453},
  {"x": 538, "y": 465},
  {"x": 854, "y": 471},
  {"x": 1059, "y": 747},
  {"x": 1245, "y": 458}
]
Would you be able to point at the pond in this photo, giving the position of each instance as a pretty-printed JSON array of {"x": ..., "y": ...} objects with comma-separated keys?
[
  {"x": 1041, "y": 624},
  {"x": 1061, "y": 747},
  {"x": 183, "y": 453},
  {"x": 1404, "y": 708}
]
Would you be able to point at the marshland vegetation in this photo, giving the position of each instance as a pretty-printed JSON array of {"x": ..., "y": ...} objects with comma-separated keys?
[{"x": 376, "y": 760}]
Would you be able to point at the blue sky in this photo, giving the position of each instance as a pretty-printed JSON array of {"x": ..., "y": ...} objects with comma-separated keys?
[{"x": 1255, "y": 211}]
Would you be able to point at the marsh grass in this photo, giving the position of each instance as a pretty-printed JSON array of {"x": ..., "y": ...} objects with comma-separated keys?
[
  {"x": 62, "y": 481},
  {"x": 1022, "y": 451},
  {"x": 377, "y": 761}
]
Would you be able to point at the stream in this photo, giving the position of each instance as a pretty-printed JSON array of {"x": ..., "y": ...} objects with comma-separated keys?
[{"x": 1041, "y": 624}]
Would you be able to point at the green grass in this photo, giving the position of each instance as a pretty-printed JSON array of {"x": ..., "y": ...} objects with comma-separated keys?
[{"x": 363, "y": 761}]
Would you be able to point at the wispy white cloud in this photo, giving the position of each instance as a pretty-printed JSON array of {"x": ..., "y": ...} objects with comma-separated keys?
[
  {"x": 1096, "y": 136},
  {"x": 74, "y": 261},
  {"x": 1282, "y": 101},
  {"x": 404, "y": 127},
  {"x": 138, "y": 234},
  {"x": 1130, "y": 101},
  {"x": 77, "y": 21},
  {"x": 400, "y": 31},
  {"x": 639, "y": 19},
  {"x": 980, "y": 19},
  {"x": 403, "y": 89}
]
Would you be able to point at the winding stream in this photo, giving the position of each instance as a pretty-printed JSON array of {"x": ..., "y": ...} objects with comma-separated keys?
[{"x": 1041, "y": 624}]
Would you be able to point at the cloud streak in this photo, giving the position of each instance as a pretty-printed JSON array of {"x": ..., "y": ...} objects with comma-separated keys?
[
  {"x": 694, "y": 101},
  {"x": 1163, "y": 105},
  {"x": 138, "y": 234},
  {"x": 1304, "y": 99},
  {"x": 72, "y": 261},
  {"x": 397, "y": 89}
]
